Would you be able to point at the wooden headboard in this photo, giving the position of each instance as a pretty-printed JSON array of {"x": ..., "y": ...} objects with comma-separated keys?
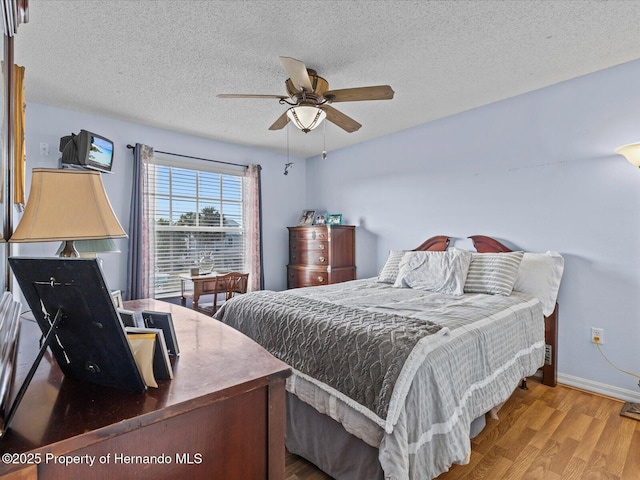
[
  {"x": 484, "y": 244},
  {"x": 439, "y": 243}
]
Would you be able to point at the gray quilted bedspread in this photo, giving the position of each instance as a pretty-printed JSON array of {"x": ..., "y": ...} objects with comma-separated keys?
[
  {"x": 360, "y": 354},
  {"x": 487, "y": 343}
]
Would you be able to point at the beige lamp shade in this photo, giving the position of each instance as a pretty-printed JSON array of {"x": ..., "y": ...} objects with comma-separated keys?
[
  {"x": 631, "y": 152},
  {"x": 67, "y": 205}
]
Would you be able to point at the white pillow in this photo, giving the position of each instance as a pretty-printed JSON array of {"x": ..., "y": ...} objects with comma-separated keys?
[
  {"x": 539, "y": 275},
  {"x": 493, "y": 273},
  {"x": 442, "y": 272},
  {"x": 391, "y": 267}
]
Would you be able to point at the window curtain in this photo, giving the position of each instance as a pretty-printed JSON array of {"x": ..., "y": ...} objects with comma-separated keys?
[
  {"x": 253, "y": 236},
  {"x": 141, "y": 263}
]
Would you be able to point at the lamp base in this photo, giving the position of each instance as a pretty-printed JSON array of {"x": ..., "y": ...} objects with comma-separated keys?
[
  {"x": 631, "y": 410},
  {"x": 69, "y": 250}
]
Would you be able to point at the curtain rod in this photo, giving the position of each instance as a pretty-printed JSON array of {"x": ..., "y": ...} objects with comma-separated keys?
[{"x": 131, "y": 147}]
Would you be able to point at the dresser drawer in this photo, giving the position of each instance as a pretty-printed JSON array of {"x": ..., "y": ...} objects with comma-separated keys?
[
  {"x": 321, "y": 245},
  {"x": 306, "y": 277},
  {"x": 308, "y": 233},
  {"x": 309, "y": 257},
  {"x": 314, "y": 253}
]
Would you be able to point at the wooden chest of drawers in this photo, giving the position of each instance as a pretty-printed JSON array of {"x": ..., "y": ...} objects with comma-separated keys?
[
  {"x": 226, "y": 422},
  {"x": 321, "y": 255}
]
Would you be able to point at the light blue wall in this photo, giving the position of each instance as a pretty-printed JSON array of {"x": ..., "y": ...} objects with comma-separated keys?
[
  {"x": 283, "y": 196},
  {"x": 539, "y": 173}
]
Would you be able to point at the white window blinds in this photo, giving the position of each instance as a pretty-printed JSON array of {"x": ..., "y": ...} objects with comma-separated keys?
[{"x": 197, "y": 214}]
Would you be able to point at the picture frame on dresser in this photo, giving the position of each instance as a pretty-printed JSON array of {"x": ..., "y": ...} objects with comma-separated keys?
[
  {"x": 334, "y": 219},
  {"x": 307, "y": 217}
]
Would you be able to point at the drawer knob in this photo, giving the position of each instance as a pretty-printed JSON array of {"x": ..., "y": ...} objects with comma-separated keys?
[
  {"x": 321, "y": 259},
  {"x": 321, "y": 247},
  {"x": 321, "y": 279}
]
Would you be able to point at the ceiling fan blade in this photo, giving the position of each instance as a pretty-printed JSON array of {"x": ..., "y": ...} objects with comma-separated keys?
[
  {"x": 280, "y": 123},
  {"x": 242, "y": 95},
  {"x": 297, "y": 72},
  {"x": 378, "y": 92},
  {"x": 340, "y": 119}
]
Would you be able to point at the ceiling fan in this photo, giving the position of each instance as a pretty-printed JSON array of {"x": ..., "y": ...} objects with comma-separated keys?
[{"x": 310, "y": 98}]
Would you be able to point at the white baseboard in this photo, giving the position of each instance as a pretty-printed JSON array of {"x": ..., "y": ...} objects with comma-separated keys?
[{"x": 597, "y": 387}]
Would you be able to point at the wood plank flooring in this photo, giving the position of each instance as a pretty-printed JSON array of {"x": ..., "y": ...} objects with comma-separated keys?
[{"x": 542, "y": 434}]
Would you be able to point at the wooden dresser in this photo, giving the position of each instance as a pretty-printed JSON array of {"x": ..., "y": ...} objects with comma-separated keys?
[
  {"x": 321, "y": 255},
  {"x": 221, "y": 417}
]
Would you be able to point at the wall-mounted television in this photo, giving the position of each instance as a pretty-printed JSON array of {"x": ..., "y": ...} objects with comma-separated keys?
[{"x": 87, "y": 149}]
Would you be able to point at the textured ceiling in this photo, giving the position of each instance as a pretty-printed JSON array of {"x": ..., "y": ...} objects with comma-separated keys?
[{"x": 161, "y": 63}]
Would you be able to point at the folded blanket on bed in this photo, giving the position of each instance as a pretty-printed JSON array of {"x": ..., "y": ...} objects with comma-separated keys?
[{"x": 368, "y": 359}]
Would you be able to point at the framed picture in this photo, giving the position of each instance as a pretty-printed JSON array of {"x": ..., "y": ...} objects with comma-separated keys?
[
  {"x": 321, "y": 219},
  {"x": 117, "y": 298},
  {"x": 334, "y": 219},
  {"x": 164, "y": 322},
  {"x": 307, "y": 217}
]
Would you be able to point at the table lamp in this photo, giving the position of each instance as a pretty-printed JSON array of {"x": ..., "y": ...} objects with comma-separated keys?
[
  {"x": 67, "y": 205},
  {"x": 91, "y": 248}
]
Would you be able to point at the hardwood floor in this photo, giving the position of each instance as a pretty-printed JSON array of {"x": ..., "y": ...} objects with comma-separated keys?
[
  {"x": 542, "y": 434},
  {"x": 297, "y": 468}
]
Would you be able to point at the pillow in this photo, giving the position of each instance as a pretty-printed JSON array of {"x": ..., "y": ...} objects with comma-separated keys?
[
  {"x": 539, "y": 275},
  {"x": 493, "y": 273},
  {"x": 390, "y": 270},
  {"x": 442, "y": 272}
]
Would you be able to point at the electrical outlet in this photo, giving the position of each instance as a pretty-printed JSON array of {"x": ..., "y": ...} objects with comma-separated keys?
[{"x": 597, "y": 333}]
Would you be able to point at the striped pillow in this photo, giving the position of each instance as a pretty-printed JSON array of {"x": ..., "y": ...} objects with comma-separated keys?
[
  {"x": 390, "y": 270},
  {"x": 493, "y": 273}
]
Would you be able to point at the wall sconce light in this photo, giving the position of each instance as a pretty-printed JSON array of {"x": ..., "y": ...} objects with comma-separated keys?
[{"x": 631, "y": 152}]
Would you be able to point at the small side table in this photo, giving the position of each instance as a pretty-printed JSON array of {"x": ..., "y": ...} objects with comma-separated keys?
[{"x": 202, "y": 285}]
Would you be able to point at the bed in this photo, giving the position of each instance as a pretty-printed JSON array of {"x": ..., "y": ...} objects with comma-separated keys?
[{"x": 391, "y": 382}]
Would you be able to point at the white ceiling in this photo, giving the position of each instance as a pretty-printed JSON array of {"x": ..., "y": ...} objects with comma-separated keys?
[{"x": 161, "y": 63}]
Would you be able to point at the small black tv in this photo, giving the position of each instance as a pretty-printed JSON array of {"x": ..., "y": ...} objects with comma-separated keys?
[{"x": 87, "y": 149}]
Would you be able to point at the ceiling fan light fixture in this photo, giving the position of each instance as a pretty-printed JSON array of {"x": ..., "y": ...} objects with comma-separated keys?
[{"x": 306, "y": 117}]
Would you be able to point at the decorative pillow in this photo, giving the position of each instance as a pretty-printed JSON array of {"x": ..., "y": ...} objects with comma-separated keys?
[
  {"x": 442, "y": 272},
  {"x": 390, "y": 270},
  {"x": 493, "y": 273},
  {"x": 539, "y": 275}
]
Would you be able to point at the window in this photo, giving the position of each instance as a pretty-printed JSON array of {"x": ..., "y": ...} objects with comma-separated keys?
[{"x": 197, "y": 216}]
